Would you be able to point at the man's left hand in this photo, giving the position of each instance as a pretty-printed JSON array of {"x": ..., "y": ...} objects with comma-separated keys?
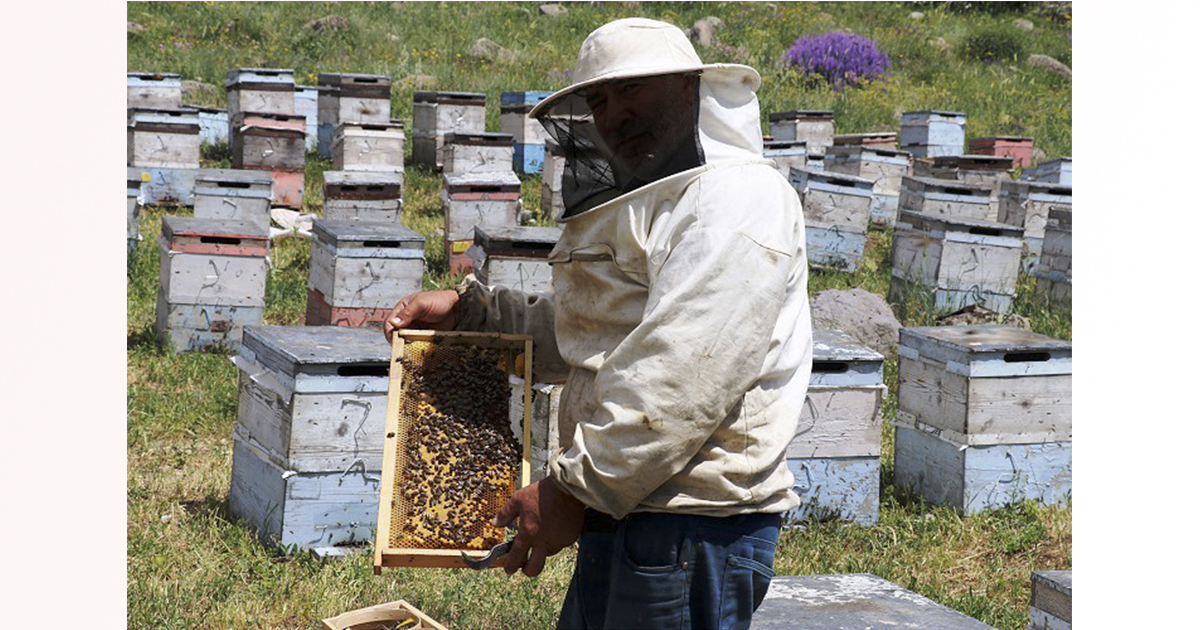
[{"x": 550, "y": 519}]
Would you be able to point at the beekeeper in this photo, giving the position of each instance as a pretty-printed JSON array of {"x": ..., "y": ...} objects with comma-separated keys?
[{"x": 679, "y": 320}]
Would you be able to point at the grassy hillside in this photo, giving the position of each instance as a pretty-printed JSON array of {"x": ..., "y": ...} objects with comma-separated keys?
[{"x": 191, "y": 565}]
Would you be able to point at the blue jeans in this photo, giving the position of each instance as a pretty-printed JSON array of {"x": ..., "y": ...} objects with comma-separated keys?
[{"x": 670, "y": 571}]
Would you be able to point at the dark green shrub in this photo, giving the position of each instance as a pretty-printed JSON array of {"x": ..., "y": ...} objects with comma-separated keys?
[{"x": 994, "y": 44}]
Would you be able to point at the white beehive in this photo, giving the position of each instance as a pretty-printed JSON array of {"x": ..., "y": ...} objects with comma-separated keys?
[
  {"x": 944, "y": 197},
  {"x": 1053, "y": 271},
  {"x": 885, "y": 168},
  {"x": 267, "y": 141},
  {"x": 813, "y": 127},
  {"x": 376, "y": 196},
  {"x": 514, "y": 257},
  {"x": 933, "y": 133},
  {"x": 552, "y": 176},
  {"x": 259, "y": 90},
  {"x": 983, "y": 416},
  {"x": 477, "y": 199},
  {"x": 837, "y": 211},
  {"x": 464, "y": 153},
  {"x": 955, "y": 262},
  {"x": 787, "y": 154},
  {"x": 369, "y": 146},
  {"x": 242, "y": 195},
  {"x": 1027, "y": 206},
  {"x": 153, "y": 90},
  {"x": 436, "y": 114},
  {"x": 982, "y": 170},
  {"x": 350, "y": 98},
  {"x": 163, "y": 138}
]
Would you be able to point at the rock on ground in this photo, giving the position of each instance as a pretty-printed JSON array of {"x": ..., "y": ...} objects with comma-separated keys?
[
  {"x": 916, "y": 15},
  {"x": 859, "y": 313},
  {"x": 940, "y": 44},
  {"x": 976, "y": 315},
  {"x": 1050, "y": 63},
  {"x": 1023, "y": 24},
  {"x": 488, "y": 50},
  {"x": 133, "y": 27},
  {"x": 328, "y": 23},
  {"x": 702, "y": 34},
  {"x": 552, "y": 9}
]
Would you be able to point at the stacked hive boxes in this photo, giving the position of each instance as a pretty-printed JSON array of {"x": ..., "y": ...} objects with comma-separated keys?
[
  {"x": 479, "y": 152},
  {"x": 259, "y": 90},
  {"x": 837, "y": 211},
  {"x": 1050, "y": 604},
  {"x": 984, "y": 416},
  {"x": 787, "y": 154},
  {"x": 374, "y": 196},
  {"x": 515, "y": 257},
  {"x": 240, "y": 195},
  {"x": 529, "y": 136},
  {"x": 165, "y": 145},
  {"x": 1027, "y": 206},
  {"x": 983, "y": 170},
  {"x": 214, "y": 124},
  {"x": 477, "y": 199},
  {"x": 942, "y": 197},
  {"x": 552, "y": 180},
  {"x": 308, "y": 443},
  {"x": 885, "y": 168},
  {"x": 212, "y": 281},
  {"x": 813, "y": 127},
  {"x": 274, "y": 143},
  {"x": 133, "y": 191},
  {"x": 436, "y": 114},
  {"x": 369, "y": 146},
  {"x": 350, "y": 98},
  {"x": 1053, "y": 271},
  {"x": 358, "y": 271},
  {"x": 955, "y": 262},
  {"x": 932, "y": 133},
  {"x": 306, "y": 106},
  {"x": 1056, "y": 171},
  {"x": 1019, "y": 148},
  {"x": 835, "y": 453}
]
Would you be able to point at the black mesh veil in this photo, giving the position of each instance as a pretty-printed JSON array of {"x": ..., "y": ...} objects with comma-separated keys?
[{"x": 590, "y": 177}]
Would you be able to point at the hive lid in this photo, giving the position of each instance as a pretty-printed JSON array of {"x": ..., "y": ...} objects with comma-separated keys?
[
  {"x": 804, "y": 114},
  {"x": 1004, "y": 138},
  {"x": 364, "y": 178},
  {"x": 175, "y": 227},
  {"x": 507, "y": 238},
  {"x": 169, "y": 116},
  {"x": 317, "y": 350},
  {"x": 1018, "y": 186},
  {"x": 835, "y": 345},
  {"x": 464, "y": 181},
  {"x": 932, "y": 112},
  {"x": 839, "y": 150},
  {"x": 857, "y": 138},
  {"x": 981, "y": 351},
  {"x": 354, "y": 233},
  {"x": 522, "y": 99},
  {"x": 281, "y": 76},
  {"x": 201, "y": 109},
  {"x": 950, "y": 186},
  {"x": 153, "y": 76},
  {"x": 1052, "y": 163},
  {"x": 800, "y": 176},
  {"x": 270, "y": 120},
  {"x": 221, "y": 176},
  {"x": 345, "y": 126}
]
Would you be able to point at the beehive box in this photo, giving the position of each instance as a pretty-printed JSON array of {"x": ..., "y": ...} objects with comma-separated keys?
[
  {"x": 932, "y": 133},
  {"x": 375, "y": 196},
  {"x": 529, "y": 136},
  {"x": 242, "y": 195},
  {"x": 1056, "y": 171},
  {"x": 456, "y": 446},
  {"x": 787, "y": 154},
  {"x": 268, "y": 141},
  {"x": 813, "y": 127},
  {"x": 877, "y": 139},
  {"x": 397, "y": 614},
  {"x": 212, "y": 281},
  {"x": 153, "y": 90},
  {"x": 163, "y": 138},
  {"x": 948, "y": 198},
  {"x": 167, "y": 185},
  {"x": 852, "y": 601},
  {"x": 1027, "y": 205},
  {"x": 955, "y": 262},
  {"x": 133, "y": 190},
  {"x": 837, "y": 210},
  {"x": 1019, "y": 148},
  {"x": 552, "y": 178},
  {"x": 214, "y": 124},
  {"x": 983, "y": 416},
  {"x": 884, "y": 167},
  {"x": 438, "y": 113},
  {"x": 835, "y": 453},
  {"x": 464, "y": 153},
  {"x": 353, "y": 98},
  {"x": 259, "y": 90},
  {"x": 369, "y": 146},
  {"x": 287, "y": 188},
  {"x": 359, "y": 270},
  {"x": 1053, "y": 271},
  {"x": 306, "y": 106},
  {"x": 1050, "y": 602},
  {"x": 983, "y": 170},
  {"x": 514, "y": 257},
  {"x": 477, "y": 199}
]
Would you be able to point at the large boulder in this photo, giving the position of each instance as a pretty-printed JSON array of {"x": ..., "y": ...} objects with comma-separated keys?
[
  {"x": 552, "y": 9},
  {"x": 488, "y": 50},
  {"x": 1050, "y": 63},
  {"x": 133, "y": 27},
  {"x": 702, "y": 34},
  {"x": 859, "y": 313}
]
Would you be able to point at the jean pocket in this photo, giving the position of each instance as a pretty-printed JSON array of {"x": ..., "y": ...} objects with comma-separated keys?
[
  {"x": 650, "y": 545},
  {"x": 743, "y": 589}
]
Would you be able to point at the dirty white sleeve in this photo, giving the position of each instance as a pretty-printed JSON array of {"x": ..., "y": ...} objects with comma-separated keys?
[
  {"x": 500, "y": 309},
  {"x": 666, "y": 387}
]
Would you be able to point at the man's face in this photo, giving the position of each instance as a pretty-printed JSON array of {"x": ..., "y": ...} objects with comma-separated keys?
[{"x": 643, "y": 120}]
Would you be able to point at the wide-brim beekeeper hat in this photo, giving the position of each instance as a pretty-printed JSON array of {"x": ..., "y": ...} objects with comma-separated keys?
[{"x": 636, "y": 47}]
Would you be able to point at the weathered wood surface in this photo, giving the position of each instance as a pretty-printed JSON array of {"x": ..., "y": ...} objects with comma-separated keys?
[
  {"x": 839, "y": 360},
  {"x": 233, "y": 178},
  {"x": 971, "y": 479},
  {"x": 328, "y": 352},
  {"x": 267, "y": 141},
  {"x": 153, "y": 89},
  {"x": 855, "y": 601},
  {"x": 462, "y": 216},
  {"x": 306, "y": 105},
  {"x": 1020, "y": 149},
  {"x": 523, "y": 274},
  {"x": 320, "y": 511},
  {"x": 362, "y": 282},
  {"x": 839, "y": 422},
  {"x": 835, "y": 248},
  {"x": 532, "y": 241},
  {"x": 156, "y": 147},
  {"x": 371, "y": 210},
  {"x": 1042, "y": 620},
  {"x": 369, "y": 240},
  {"x": 813, "y": 127},
  {"x": 932, "y": 150},
  {"x": 842, "y": 488},
  {"x": 438, "y": 113},
  {"x": 879, "y": 139},
  {"x": 833, "y": 201},
  {"x": 943, "y": 253},
  {"x": 365, "y": 146},
  {"x": 181, "y": 229},
  {"x": 464, "y": 153},
  {"x": 949, "y": 300},
  {"x": 987, "y": 350},
  {"x": 543, "y": 433},
  {"x": 195, "y": 327},
  {"x": 1027, "y": 205},
  {"x": 167, "y": 185},
  {"x": 947, "y": 198},
  {"x": 1052, "y": 593},
  {"x": 233, "y": 204},
  {"x": 884, "y": 208},
  {"x": 363, "y": 185},
  {"x": 1057, "y": 170},
  {"x": 212, "y": 279},
  {"x": 931, "y": 127}
]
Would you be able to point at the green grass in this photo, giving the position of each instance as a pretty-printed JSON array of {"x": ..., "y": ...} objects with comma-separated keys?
[{"x": 191, "y": 565}]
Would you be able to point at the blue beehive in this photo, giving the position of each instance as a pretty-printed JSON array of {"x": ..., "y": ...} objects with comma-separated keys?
[
  {"x": 306, "y": 105},
  {"x": 214, "y": 124},
  {"x": 529, "y": 137},
  {"x": 932, "y": 133},
  {"x": 837, "y": 211},
  {"x": 1056, "y": 171}
]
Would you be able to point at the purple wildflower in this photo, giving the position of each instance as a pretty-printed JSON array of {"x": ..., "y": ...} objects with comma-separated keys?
[{"x": 842, "y": 58}]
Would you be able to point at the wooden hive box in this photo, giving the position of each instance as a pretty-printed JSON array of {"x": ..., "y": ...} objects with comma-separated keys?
[
  {"x": 350, "y": 97},
  {"x": 837, "y": 210},
  {"x": 1027, "y": 206},
  {"x": 477, "y": 199},
  {"x": 1050, "y": 601},
  {"x": 1019, "y": 148},
  {"x": 932, "y": 133},
  {"x": 243, "y": 195},
  {"x": 949, "y": 198},
  {"x": 308, "y": 442},
  {"x": 167, "y": 185},
  {"x": 369, "y": 146},
  {"x": 876, "y": 139},
  {"x": 376, "y": 196},
  {"x": 852, "y": 601},
  {"x": 983, "y": 170},
  {"x": 456, "y": 444},
  {"x": 436, "y": 114},
  {"x": 885, "y": 167},
  {"x": 153, "y": 90},
  {"x": 835, "y": 453},
  {"x": 955, "y": 262},
  {"x": 1056, "y": 171},
  {"x": 259, "y": 90},
  {"x": 306, "y": 106},
  {"x": 397, "y": 614},
  {"x": 543, "y": 436},
  {"x": 787, "y": 154},
  {"x": 811, "y": 126},
  {"x": 514, "y": 257},
  {"x": 529, "y": 136},
  {"x": 464, "y": 153},
  {"x": 212, "y": 282},
  {"x": 1053, "y": 271},
  {"x": 214, "y": 124},
  {"x": 983, "y": 416},
  {"x": 163, "y": 138},
  {"x": 133, "y": 191},
  {"x": 265, "y": 141},
  {"x": 359, "y": 270},
  {"x": 552, "y": 177}
]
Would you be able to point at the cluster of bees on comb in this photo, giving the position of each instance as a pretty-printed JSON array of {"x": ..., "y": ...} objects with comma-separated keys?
[{"x": 459, "y": 461}]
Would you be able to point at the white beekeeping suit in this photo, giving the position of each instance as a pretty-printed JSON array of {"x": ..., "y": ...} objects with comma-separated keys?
[{"x": 679, "y": 314}]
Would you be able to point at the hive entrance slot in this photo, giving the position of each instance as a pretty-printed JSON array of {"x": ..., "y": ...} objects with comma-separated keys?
[
  {"x": 830, "y": 367},
  {"x": 235, "y": 184},
  {"x": 983, "y": 231},
  {"x": 1026, "y": 357},
  {"x": 220, "y": 240},
  {"x": 958, "y": 191},
  {"x": 381, "y": 243},
  {"x": 363, "y": 370}
]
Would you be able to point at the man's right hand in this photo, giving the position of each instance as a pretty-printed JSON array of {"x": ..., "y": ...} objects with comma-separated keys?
[{"x": 426, "y": 310}]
